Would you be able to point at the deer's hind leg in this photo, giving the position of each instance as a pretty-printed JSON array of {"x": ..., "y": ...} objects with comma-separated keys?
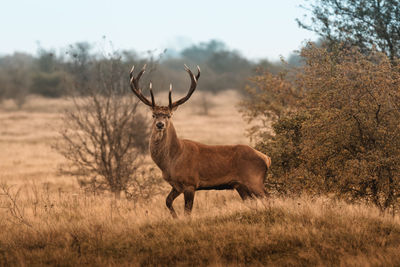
[
  {"x": 170, "y": 199},
  {"x": 243, "y": 191},
  {"x": 189, "y": 198},
  {"x": 257, "y": 190}
]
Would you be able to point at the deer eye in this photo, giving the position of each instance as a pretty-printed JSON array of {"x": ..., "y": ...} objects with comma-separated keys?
[
  {"x": 169, "y": 116},
  {"x": 154, "y": 116}
]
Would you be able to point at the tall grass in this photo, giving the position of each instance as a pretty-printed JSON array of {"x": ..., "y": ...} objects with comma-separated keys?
[
  {"x": 78, "y": 229},
  {"x": 46, "y": 219}
]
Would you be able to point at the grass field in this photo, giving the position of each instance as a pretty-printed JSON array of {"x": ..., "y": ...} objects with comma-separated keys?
[{"x": 46, "y": 219}]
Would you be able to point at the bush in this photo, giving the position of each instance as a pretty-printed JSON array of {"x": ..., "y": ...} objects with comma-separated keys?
[
  {"x": 343, "y": 136},
  {"x": 15, "y": 77},
  {"x": 49, "y": 84},
  {"x": 104, "y": 137}
]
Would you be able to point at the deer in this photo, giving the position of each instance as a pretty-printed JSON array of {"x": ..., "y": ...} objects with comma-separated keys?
[{"x": 189, "y": 166}]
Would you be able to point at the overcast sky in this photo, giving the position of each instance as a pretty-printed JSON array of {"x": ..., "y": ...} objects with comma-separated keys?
[{"x": 256, "y": 28}]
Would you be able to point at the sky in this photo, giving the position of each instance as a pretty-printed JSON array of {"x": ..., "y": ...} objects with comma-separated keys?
[{"x": 258, "y": 29}]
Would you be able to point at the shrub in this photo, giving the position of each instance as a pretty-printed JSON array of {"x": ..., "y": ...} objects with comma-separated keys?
[
  {"x": 104, "y": 137},
  {"x": 49, "y": 84},
  {"x": 343, "y": 136},
  {"x": 15, "y": 77}
]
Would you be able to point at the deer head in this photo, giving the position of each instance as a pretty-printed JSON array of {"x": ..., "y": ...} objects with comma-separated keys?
[{"x": 162, "y": 114}]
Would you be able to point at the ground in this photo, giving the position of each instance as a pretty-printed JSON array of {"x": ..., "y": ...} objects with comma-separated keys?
[{"x": 54, "y": 222}]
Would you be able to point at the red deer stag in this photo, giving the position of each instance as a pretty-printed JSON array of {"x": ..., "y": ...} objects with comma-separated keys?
[{"x": 189, "y": 166}]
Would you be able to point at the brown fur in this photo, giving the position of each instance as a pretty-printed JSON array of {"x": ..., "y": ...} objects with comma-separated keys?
[{"x": 189, "y": 166}]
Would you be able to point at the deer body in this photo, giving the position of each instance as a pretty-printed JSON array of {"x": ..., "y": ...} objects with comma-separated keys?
[
  {"x": 189, "y": 166},
  {"x": 187, "y": 163}
]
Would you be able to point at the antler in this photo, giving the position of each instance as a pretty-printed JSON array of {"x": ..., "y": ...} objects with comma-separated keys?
[
  {"x": 134, "y": 83},
  {"x": 193, "y": 85}
]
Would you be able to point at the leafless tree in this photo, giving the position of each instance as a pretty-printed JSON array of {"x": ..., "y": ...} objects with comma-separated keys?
[{"x": 104, "y": 136}]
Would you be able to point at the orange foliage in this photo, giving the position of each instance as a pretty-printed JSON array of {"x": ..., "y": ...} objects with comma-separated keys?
[{"x": 342, "y": 135}]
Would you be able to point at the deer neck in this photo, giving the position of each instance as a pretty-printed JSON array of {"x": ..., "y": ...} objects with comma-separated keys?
[{"x": 165, "y": 148}]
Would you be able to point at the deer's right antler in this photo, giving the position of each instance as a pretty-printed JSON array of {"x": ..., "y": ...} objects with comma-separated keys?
[
  {"x": 134, "y": 83},
  {"x": 193, "y": 85}
]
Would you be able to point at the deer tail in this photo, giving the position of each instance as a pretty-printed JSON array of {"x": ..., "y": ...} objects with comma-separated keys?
[{"x": 266, "y": 159}]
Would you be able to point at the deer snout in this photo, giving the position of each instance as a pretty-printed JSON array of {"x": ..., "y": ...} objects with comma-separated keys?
[{"x": 160, "y": 125}]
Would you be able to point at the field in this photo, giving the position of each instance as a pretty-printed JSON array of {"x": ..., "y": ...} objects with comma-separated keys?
[{"x": 46, "y": 219}]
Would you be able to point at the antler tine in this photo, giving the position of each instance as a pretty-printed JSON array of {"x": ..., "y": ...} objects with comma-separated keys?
[
  {"x": 198, "y": 73},
  {"x": 191, "y": 90},
  {"x": 134, "y": 84},
  {"x": 151, "y": 93},
  {"x": 170, "y": 96},
  {"x": 190, "y": 72}
]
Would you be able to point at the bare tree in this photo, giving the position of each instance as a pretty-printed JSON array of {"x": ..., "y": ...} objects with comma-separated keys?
[{"x": 104, "y": 135}]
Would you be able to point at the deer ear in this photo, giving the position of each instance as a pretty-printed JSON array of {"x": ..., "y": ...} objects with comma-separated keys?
[{"x": 174, "y": 108}]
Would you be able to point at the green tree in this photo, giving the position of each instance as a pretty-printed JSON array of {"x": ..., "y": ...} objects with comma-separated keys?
[
  {"x": 79, "y": 65},
  {"x": 46, "y": 60},
  {"x": 363, "y": 23},
  {"x": 15, "y": 77},
  {"x": 48, "y": 79},
  {"x": 203, "y": 51},
  {"x": 224, "y": 68}
]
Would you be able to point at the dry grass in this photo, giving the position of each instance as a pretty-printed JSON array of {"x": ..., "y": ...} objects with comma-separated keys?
[
  {"x": 52, "y": 222},
  {"x": 69, "y": 229}
]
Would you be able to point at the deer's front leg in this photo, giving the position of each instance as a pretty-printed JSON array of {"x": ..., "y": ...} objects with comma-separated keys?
[
  {"x": 189, "y": 198},
  {"x": 170, "y": 199}
]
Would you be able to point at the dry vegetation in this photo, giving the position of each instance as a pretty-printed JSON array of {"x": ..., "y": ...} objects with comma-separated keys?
[
  {"x": 46, "y": 219},
  {"x": 335, "y": 125}
]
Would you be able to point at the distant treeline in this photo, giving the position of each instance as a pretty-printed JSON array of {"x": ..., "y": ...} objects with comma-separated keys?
[{"x": 53, "y": 74}]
